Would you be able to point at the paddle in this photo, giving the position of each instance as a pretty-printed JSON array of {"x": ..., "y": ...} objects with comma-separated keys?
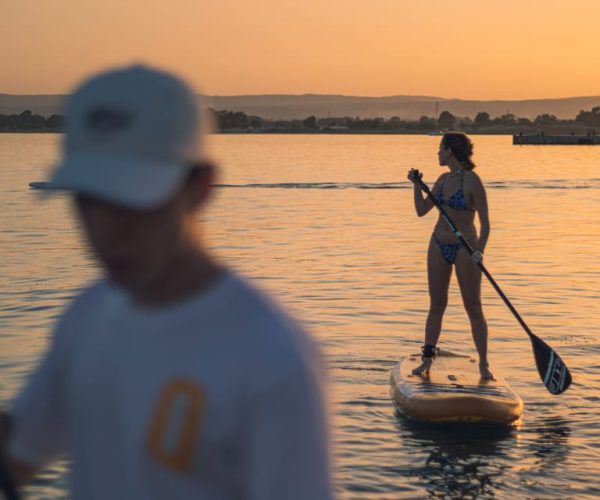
[{"x": 553, "y": 371}]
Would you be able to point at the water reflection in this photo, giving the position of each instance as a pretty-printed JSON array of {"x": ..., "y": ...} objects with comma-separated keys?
[
  {"x": 550, "y": 442},
  {"x": 462, "y": 460},
  {"x": 469, "y": 461}
]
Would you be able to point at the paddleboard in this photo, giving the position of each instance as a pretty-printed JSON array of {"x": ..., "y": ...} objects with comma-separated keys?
[{"x": 452, "y": 392}]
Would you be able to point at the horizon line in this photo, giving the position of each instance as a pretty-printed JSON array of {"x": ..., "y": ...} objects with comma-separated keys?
[{"x": 305, "y": 94}]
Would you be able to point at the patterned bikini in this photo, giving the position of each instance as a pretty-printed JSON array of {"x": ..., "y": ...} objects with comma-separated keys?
[{"x": 457, "y": 201}]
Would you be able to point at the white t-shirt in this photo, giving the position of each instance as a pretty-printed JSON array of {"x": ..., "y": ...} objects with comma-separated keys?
[{"x": 217, "y": 397}]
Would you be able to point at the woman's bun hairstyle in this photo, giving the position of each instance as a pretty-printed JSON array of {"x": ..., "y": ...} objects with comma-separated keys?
[{"x": 461, "y": 147}]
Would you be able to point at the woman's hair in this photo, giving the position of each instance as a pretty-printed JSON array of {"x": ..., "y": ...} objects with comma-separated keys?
[{"x": 461, "y": 147}]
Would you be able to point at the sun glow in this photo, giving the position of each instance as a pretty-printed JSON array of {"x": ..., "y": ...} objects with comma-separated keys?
[{"x": 474, "y": 50}]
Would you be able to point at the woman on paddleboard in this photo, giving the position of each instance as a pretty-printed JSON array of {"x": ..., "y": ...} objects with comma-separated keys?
[{"x": 461, "y": 192}]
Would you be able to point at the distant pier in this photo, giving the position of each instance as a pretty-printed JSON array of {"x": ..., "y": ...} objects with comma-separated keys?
[{"x": 559, "y": 140}]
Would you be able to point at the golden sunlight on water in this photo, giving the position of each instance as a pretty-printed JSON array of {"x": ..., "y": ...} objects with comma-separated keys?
[{"x": 327, "y": 224}]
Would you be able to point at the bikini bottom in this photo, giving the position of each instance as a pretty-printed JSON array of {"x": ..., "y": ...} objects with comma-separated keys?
[{"x": 449, "y": 250}]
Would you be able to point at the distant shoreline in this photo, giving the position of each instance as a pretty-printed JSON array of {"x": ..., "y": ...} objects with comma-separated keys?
[
  {"x": 290, "y": 132},
  {"x": 237, "y": 122},
  {"x": 323, "y": 132}
]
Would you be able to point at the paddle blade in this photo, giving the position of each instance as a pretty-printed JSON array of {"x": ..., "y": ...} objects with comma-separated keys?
[{"x": 553, "y": 371}]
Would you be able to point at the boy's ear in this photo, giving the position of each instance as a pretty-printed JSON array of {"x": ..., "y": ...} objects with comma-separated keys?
[{"x": 200, "y": 182}]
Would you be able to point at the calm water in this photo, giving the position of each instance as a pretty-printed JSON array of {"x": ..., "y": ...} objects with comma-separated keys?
[{"x": 327, "y": 223}]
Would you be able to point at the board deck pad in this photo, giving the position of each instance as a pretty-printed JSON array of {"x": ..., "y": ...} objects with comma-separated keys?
[{"x": 452, "y": 392}]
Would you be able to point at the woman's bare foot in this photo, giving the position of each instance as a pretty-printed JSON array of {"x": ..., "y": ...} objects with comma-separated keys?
[
  {"x": 484, "y": 371},
  {"x": 423, "y": 368}
]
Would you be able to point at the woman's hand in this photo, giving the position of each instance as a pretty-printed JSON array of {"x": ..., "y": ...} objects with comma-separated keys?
[
  {"x": 414, "y": 175},
  {"x": 477, "y": 256}
]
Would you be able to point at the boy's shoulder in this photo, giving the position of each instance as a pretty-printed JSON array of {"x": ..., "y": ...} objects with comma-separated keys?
[
  {"x": 274, "y": 345},
  {"x": 87, "y": 298},
  {"x": 260, "y": 336},
  {"x": 264, "y": 316}
]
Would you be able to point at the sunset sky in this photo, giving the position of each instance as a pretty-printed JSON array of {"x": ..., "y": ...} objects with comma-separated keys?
[{"x": 471, "y": 49}]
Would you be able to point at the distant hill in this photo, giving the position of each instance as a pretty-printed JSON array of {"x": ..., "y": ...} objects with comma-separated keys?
[
  {"x": 45, "y": 105},
  {"x": 301, "y": 106}
]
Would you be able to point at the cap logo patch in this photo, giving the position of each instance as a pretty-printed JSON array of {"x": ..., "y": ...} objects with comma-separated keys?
[{"x": 108, "y": 121}]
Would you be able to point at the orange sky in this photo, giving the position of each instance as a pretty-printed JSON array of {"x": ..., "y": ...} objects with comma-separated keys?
[{"x": 472, "y": 49}]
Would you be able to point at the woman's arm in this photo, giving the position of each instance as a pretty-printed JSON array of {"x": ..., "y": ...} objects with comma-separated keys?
[
  {"x": 480, "y": 204},
  {"x": 422, "y": 204}
]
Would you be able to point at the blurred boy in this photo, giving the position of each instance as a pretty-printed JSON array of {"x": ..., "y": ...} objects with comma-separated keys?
[{"x": 171, "y": 377}]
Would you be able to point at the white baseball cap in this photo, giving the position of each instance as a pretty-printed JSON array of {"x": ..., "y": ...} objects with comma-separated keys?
[{"x": 132, "y": 136}]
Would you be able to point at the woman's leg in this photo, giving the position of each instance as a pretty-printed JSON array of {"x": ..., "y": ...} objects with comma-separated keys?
[
  {"x": 469, "y": 280},
  {"x": 439, "y": 271}
]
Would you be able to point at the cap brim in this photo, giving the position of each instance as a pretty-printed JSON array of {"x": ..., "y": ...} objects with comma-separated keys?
[{"x": 127, "y": 182}]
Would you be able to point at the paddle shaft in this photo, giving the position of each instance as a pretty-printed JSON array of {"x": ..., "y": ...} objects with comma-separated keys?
[{"x": 470, "y": 250}]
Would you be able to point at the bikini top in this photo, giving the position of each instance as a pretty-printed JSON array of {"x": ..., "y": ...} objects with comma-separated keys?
[{"x": 457, "y": 201}]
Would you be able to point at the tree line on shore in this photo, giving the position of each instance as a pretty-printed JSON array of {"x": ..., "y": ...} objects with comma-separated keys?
[
  {"x": 29, "y": 122},
  {"x": 238, "y": 121},
  {"x": 482, "y": 122}
]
